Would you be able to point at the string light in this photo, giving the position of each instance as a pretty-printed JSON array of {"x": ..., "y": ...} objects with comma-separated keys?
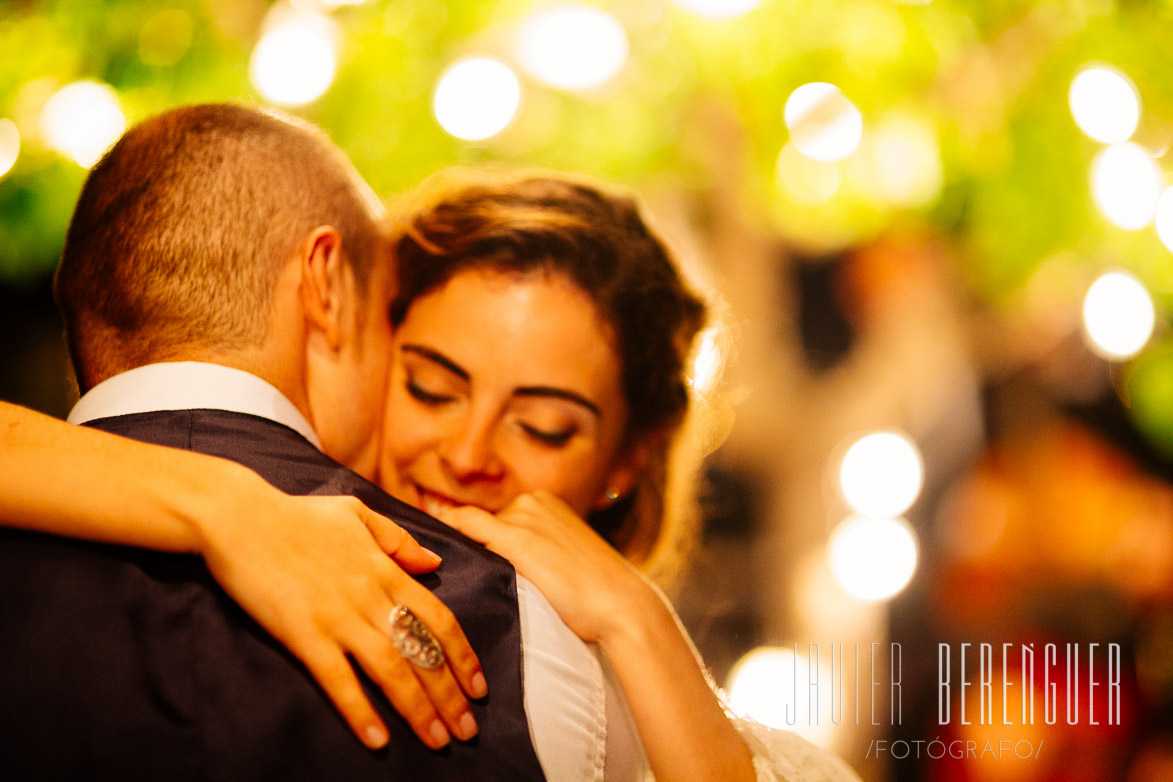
[
  {"x": 82, "y": 120},
  {"x": 476, "y": 98},
  {"x": 1105, "y": 104},
  {"x": 809, "y": 181},
  {"x": 295, "y": 60},
  {"x": 573, "y": 47},
  {"x": 1118, "y": 315},
  {"x": 903, "y": 162},
  {"x": 881, "y": 474},
  {"x": 873, "y": 559},
  {"x": 824, "y": 125},
  {"x": 165, "y": 37},
  {"x": 1163, "y": 217},
  {"x": 771, "y": 685},
  {"x": 9, "y": 145},
  {"x": 1126, "y": 185},
  {"x": 718, "y": 9}
]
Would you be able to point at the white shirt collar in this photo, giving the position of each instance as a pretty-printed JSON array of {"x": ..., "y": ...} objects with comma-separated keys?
[{"x": 190, "y": 385}]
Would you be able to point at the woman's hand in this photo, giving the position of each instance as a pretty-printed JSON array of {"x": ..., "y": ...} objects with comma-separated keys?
[
  {"x": 592, "y": 587},
  {"x": 322, "y": 574},
  {"x": 602, "y": 598}
]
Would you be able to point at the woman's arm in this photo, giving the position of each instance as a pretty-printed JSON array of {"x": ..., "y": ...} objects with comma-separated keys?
[
  {"x": 317, "y": 572},
  {"x": 684, "y": 729}
]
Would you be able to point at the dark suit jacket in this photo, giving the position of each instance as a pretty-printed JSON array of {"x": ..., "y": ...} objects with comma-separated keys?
[{"x": 118, "y": 663}]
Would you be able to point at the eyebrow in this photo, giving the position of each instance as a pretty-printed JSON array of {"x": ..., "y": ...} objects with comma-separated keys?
[
  {"x": 557, "y": 393},
  {"x": 438, "y": 358},
  {"x": 540, "y": 391}
]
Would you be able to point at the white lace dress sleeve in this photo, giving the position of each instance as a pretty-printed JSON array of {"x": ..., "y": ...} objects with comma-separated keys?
[{"x": 784, "y": 756}]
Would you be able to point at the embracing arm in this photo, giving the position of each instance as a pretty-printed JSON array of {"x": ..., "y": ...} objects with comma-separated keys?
[
  {"x": 319, "y": 573},
  {"x": 82, "y": 483},
  {"x": 684, "y": 729}
]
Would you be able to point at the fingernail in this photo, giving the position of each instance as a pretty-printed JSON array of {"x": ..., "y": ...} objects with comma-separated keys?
[
  {"x": 433, "y": 556},
  {"x": 468, "y": 726},
  {"x": 439, "y": 733},
  {"x": 480, "y": 687},
  {"x": 376, "y": 736}
]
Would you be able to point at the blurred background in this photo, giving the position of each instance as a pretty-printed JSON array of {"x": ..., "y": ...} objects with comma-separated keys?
[{"x": 943, "y": 386}]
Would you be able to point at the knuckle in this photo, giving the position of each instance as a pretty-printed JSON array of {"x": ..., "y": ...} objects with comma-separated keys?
[
  {"x": 446, "y": 623},
  {"x": 527, "y": 502},
  {"x": 398, "y": 534},
  {"x": 388, "y": 667},
  {"x": 370, "y": 597},
  {"x": 447, "y": 697},
  {"x": 333, "y": 672}
]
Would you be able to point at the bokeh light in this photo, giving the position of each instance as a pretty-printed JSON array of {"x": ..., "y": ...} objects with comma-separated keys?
[
  {"x": 1118, "y": 315},
  {"x": 808, "y": 181},
  {"x": 1105, "y": 104},
  {"x": 1126, "y": 185},
  {"x": 573, "y": 47},
  {"x": 718, "y": 9},
  {"x": 295, "y": 60},
  {"x": 903, "y": 162},
  {"x": 476, "y": 98},
  {"x": 770, "y": 685},
  {"x": 824, "y": 125},
  {"x": 1163, "y": 218},
  {"x": 9, "y": 145},
  {"x": 873, "y": 559},
  {"x": 881, "y": 474},
  {"x": 82, "y": 120},
  {"x": 165, "y": 37}
]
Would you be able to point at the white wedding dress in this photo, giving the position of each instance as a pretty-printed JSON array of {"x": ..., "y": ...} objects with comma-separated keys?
[
  {"x": 778, "y": 755},
  {"x": 783, "y": 756}
]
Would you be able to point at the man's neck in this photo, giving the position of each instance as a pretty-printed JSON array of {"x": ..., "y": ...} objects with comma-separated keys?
[
  {"x": 281, "y": 368},
  {"x": 190, "y": 385}
]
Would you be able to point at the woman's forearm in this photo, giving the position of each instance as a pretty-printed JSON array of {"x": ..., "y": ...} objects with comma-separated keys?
[
  {"x": 82, "y": 483},
  {"x": 304, "y": 567},
  {"x": 604, "y": 600},
  {"x": 685, "y": 731}
]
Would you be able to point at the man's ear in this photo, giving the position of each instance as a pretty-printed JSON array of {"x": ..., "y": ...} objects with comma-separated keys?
[
  {"x": 626, "y": 472},
  {"x": 323, "y": 283}
]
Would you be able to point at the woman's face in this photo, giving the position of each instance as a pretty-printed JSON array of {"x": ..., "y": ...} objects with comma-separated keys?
[{"x": 500, "y": 385}]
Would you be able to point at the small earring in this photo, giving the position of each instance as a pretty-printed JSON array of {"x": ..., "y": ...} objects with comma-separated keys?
[{"x": 612, "y": 494}]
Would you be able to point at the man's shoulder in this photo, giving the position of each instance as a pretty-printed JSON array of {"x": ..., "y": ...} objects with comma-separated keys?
[
  {"x": 150, "y": 635},
  {"x": 292, "y": 464},
  {"x": 287, "y": 460}
]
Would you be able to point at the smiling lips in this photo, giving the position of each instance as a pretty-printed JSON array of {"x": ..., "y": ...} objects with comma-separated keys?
[{"x": 434, "y": 504}]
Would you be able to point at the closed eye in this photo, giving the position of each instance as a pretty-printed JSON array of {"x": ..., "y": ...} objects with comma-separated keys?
[
  {"x": 553, "y": 439},
  {"x": 427, "y": 397}
]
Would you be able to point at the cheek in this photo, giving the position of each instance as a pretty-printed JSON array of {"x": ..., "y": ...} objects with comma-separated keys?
[
  {"x": 575, "y": 477},
  {"x": 409, "y": 432}
]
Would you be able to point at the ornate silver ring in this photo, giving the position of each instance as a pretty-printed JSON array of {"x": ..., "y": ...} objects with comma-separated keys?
[{"x": 414, "y": 641}]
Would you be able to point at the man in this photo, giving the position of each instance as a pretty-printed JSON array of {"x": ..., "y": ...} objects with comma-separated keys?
[{"x": 223, "y": 292}]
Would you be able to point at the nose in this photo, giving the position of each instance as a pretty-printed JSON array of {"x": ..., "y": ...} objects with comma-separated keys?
[{"x": 469, "y": 453}]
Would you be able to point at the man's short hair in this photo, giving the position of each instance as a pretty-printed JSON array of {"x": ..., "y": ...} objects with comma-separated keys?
[{"x": 181, "y": 231}]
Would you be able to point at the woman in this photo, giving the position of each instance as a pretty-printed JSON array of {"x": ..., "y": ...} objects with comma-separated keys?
[{"x": 538, "y": 374}]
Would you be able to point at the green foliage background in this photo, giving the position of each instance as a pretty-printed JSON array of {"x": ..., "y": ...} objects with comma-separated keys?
[{"x": 990, "y": 76}]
